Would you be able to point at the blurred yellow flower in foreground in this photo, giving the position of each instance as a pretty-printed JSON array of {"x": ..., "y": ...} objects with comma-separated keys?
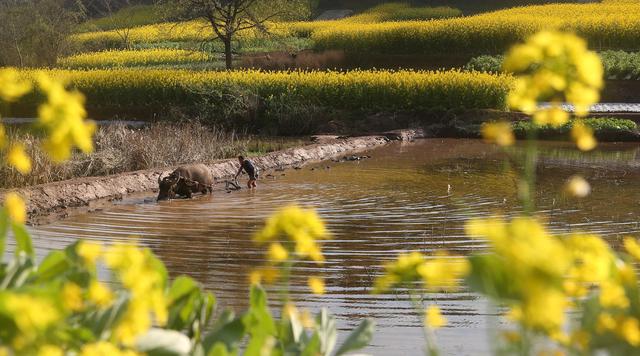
[
  {"x": 63, "y": 118},
  {"x": 316, "y": 285},
  {"x": 578, "y": 187},
  {"x": 583, "y": 136},
  {"x": 72, "y": 296},
  {"x": 100, "y": 294},
  {"x": 433, "y": 318},
  {"x": 11, "y": 86},
  {"x": 50, "y": 350},
  {"x": 553, "y": 116},
  {"x": 499, "y": 133},
  {"x": 632, "y": 247},
  {"x": 18, "y": 158},
  {"x": 15, "y": 208},
  {"x": 277, "y": 253},
  {"x": 300, "y": 228},
  {"x": 89, "y": 251}
]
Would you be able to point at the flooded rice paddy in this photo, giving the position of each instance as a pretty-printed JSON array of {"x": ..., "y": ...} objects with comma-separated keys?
[{"x": 407, "y": 197}]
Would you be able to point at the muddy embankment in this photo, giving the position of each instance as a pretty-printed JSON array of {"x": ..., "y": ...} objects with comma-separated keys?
[{"x": 51, "y": 201}]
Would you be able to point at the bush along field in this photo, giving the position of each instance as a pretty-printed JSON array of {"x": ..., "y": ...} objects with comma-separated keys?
[
  {"x": 604, "y": 129},
  {"x": 275, "y": 100},
  {"x": 618, "y": 65}
]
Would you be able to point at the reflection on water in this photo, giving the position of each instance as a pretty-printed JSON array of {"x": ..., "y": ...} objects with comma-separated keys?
[{"x": 396, "y": 201}]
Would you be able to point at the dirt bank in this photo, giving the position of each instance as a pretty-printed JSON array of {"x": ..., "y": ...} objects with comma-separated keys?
[{"x": 57, "y": 200}]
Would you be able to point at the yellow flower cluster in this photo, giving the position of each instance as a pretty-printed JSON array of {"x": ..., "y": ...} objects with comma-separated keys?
[
  {"x": 136, "y": 269},
  {"x": 442, "y": 272},
  {"x": 138, "y": 273},
  {"x": 31, "y": 314},
  {"x": 61, "y": 117},
  {"x": 292, "y": 234},
  {"x": 132, "y": 58},
  {"x": 553, "y": 67},
  {"x": 130, "y": 89},
  {"x": 540, "y": 273},
  {"x": 612, "y": 25},
  {"x": 190, "y": 31}
]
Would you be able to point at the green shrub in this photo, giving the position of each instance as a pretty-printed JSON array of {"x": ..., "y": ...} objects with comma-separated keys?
[
  {"x": 605, "y": 129},
  {"x": 617, "y": 64}
]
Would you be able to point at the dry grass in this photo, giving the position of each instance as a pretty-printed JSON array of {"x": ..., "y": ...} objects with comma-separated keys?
[{"x": 122, "y": 149}]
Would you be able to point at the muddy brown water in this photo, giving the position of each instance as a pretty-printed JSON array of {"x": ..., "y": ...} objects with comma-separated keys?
[{"x": 396, "y": 201}]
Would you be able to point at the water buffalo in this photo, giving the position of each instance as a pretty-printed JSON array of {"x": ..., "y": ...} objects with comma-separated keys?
[{"x": 185, "y": 181}]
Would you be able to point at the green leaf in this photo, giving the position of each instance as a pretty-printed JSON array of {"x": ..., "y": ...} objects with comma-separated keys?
[
  {"x": 359, "y": 338},
  {"x": 4, "y": 225},
  {"x": 218, "y": 349},
  {"x": 258, "y": 322},
  {"x": 491, "y": 277},
  {"x": 53, "y": 265},
  {"x": 160, "y": 342},
  {"x": 227, "y": 330},
  {"x": 17, "y": 271},
  {"x": 181, "y": 287},
  {"x": 23, "y": 240},
  {"x": 327, "y": 331},
  {"x": 313, "y": 347}
]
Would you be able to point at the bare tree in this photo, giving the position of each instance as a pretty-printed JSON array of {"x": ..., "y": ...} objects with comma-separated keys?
[
  {"x": 226, "y": 18},
  {"x": 35, "y": 32}
]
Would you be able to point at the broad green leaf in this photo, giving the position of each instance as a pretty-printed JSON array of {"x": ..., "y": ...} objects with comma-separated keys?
[
  {"x": 359, "y": 338},
  {"x": 326, "y": 331},
  {"x": 228, "y": 330},
  {"x": 23, "y": 239},
  {"x": 4, "y": 225},
  {"x": 160, "y": 342},
  {"x": 180, "y": 288},
  {"x": 16, "y": 272},
  {"x": 218, "y": 349},
  {"x": 312, "y": 348},
  {"x": 53, "y": 265},
  {"x": 104, "y": 320},
  {"x": 491, "y": 277}
]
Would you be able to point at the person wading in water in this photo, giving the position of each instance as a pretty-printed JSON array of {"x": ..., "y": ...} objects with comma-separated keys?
[{"x": 251, "y": 170}]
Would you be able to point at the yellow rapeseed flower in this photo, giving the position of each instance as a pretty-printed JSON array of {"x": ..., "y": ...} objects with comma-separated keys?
[
  {"x": 12, "y": 87},
  {"x": 403, "y": 270},
  {"x": 104, "y": 348},
  {"x": 18, "y": 158},
  {"x": 443, "y": 272},
  {"x": 277, "y": 253},
  {"x": 499, "y": 133},
  {"x": 135, "y": 322},
  {"x": 72, "y": 297},
  {"x": 50, "y": 350},
  {"x": 31, "y": 314},
  {"x": 583, "y": 136},
  {"x": 606, "y": 322},
  {"x": 15, "y": 208},
  {"x": 63, "y": 118},
  {"x": 632, "y": 247},
  {"x": 578, "y": 187},
  {"x": 301, "y": 226},
  {"x": 629, "y": 329},
  {"x": 613, "y": 295},
  {"x": 553, "y": 116},
  {"x": 100, "y": 294},
  {"x": 433, "y": 318},
  {"x": 316, "y": 285},
  {"x": 89, "y": 251}
]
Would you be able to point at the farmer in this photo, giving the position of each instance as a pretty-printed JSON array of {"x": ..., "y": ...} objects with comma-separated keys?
[{"x": 251, "y": 170}]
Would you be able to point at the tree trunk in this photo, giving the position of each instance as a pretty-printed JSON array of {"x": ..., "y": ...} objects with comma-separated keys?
[{"x": 227, "y": 53}]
